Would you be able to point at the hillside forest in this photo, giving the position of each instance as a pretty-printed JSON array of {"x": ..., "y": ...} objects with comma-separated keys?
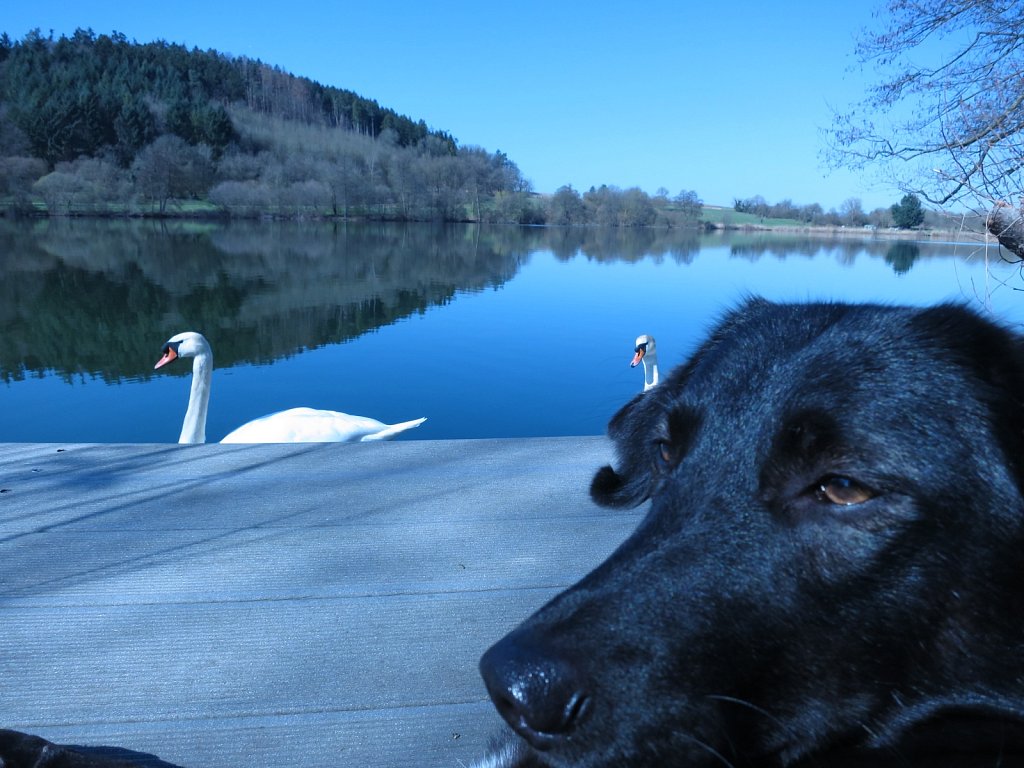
[{"x": 98, "y": 125}]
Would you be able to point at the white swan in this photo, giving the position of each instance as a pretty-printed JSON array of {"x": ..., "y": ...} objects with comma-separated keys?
[
  {"x": 646, "y": 353},
  {"x": 296, "y": 425}
]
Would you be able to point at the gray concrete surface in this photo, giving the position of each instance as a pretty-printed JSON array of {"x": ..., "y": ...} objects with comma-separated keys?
[{"x": 281, "y": 605}]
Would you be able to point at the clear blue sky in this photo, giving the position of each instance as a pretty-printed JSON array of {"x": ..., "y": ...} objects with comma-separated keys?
[{"x": 728, "y": 99}]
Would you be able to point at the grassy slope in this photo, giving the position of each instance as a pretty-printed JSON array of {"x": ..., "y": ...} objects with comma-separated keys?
[{"x": 728, "y": 217}]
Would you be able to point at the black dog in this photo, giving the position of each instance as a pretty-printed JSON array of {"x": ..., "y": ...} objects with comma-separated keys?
[{"x": 831, "y": 572}]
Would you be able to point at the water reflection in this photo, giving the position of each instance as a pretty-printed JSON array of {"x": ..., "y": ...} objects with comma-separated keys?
[
  {"x": 622, "y": 244},
  {"x": 97, "y": 297},
  {"x": 91, "y": 297},
  {"x": 902, "y": 256}
]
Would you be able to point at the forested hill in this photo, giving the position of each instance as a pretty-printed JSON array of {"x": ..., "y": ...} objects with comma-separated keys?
[
  {"x": 76, "y": 96},
  {"x": 98, "y": 124}
]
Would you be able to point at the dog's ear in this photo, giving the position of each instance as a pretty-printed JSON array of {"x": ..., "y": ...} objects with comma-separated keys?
[
  {"x": 631, "y": 484},
  {"x": 995, "y": 356}
]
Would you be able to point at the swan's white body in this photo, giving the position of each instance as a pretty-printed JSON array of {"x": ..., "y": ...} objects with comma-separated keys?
[
  {"x": 296, "y": 425},
  {"x": 308, "y": 425},
  {"x": 646, "y": 353}
]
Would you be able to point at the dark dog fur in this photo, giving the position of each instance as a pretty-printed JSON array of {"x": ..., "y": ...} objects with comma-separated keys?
[
  {"x": 831, "y": 572},
  {"x": 22, "y": 750}
]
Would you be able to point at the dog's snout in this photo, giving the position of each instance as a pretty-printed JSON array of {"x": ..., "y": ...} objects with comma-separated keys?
[{"x": 538, "y": 692}]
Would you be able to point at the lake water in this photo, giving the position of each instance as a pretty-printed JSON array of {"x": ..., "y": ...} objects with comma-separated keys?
[{"x": 488, "y": 332}]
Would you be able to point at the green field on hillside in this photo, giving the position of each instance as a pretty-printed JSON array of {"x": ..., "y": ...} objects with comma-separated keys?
[{"x": 730, "y": 218}]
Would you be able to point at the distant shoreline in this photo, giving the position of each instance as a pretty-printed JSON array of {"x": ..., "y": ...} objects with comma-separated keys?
[
  {"x": 211, "y": 214},
  {"x": 964, "y": 235}
]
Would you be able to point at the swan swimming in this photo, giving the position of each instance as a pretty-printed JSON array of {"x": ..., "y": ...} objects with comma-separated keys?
[
  {"x": 296, "y": 425},
  {"x": 645, "y": 353}
]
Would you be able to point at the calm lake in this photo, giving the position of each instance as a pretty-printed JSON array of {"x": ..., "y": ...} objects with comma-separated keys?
[{"x": 488, "y": 332}]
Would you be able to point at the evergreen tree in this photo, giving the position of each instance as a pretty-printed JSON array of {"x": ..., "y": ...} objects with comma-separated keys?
[
  {"x": 908, "y": 213},
  {"x": 187, "y": 121},
  {"x": 134, "y": 128}
]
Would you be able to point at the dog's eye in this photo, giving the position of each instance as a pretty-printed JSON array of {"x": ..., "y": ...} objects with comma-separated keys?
[
  {"x": 842, "y": 491},
  {"x": 666, "y": 453}
]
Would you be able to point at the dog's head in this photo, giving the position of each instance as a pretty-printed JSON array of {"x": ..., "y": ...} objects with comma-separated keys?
[{"x": 831, "y": 562}]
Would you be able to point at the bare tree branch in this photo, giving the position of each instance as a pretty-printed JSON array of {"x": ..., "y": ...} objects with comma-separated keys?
[{"x": 949, "y": 101}]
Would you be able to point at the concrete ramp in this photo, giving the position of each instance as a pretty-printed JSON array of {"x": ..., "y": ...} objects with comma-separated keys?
[{"x": 281, "y": 605}]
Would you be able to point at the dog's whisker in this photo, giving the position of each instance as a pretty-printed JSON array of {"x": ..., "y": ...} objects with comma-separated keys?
[
  {"x": 709, "y": 749},
  {"x": 782, "y": 725},
  {"x": 749, "y": 705}
]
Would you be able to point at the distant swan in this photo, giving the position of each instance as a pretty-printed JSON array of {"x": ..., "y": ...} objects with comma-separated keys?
[
  {"x": 646, "y": 353},
  {"x": 297, "y": 425}
]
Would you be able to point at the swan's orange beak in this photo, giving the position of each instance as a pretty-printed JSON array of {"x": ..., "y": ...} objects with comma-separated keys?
[
  {"x": 169, "y": 355},
  {"x": 640, "y": 352}
]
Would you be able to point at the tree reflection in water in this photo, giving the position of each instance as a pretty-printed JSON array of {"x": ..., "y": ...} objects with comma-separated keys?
[{"x": 90, "y": 301}]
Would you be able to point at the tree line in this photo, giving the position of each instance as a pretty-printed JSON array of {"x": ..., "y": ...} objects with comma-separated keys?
[
  {"x": 907, "y": 214},
  {"x": 88, "y": 93},
  {"x": 95, "y": 124}
]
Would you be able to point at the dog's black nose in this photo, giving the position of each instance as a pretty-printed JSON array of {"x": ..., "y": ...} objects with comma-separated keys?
[{"x": 539, "y": 693}]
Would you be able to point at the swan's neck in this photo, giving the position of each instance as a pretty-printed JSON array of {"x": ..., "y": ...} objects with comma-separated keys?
[
  {"x": 193, "y": 429},
  {"x": 650, "y": 362}
]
